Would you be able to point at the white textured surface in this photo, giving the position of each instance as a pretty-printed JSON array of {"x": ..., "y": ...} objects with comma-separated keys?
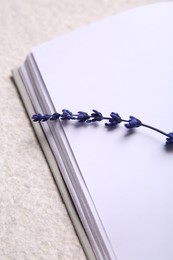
[{"x": 34, "y": 223}]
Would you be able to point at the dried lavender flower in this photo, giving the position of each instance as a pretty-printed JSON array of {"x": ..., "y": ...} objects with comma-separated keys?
[
  {"x": 55, "y": 116},
  {"x": 113, "y": 120},
  {"x": 133, "y": 122},
  {"x": 169, "y": 139},
  {"x": 37, "y": 117},
  {"x": 82, "y": 116},
  {"x": 66, "y": 114},
  {"x": 96, "y": 116}
]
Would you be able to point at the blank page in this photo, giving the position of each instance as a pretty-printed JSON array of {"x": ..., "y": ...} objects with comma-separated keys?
[{"x": 122, "y": 64}]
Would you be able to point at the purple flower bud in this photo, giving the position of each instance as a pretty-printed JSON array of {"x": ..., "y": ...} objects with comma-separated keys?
[
  {"x": 97, "y": 116},
  {"x": 55, "y": 116},
  {"x": 66, "y": 115},
  {"x": 46, "y": 117},
  {"x": 114, "y": 120},
  {"x": 37, "y": 117},
  {"x": 82, "y": 116},
  {"x": 169, "y": 140},
  {"x": 133, "y": 122}
]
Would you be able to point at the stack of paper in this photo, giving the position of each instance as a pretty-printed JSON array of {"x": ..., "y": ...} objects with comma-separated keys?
[{"x": 120, "y": 182}]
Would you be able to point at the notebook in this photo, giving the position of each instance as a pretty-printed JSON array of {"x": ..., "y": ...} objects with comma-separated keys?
[{"x": 116, "y": 182}]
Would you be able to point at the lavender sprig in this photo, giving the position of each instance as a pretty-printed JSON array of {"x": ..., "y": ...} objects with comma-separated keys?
[{"x": 113, "y": 120}]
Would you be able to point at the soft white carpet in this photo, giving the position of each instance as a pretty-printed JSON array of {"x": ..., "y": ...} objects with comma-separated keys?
[{"x": 34, "y": 223}]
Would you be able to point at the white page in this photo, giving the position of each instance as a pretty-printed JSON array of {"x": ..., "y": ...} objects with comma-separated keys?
[{"x": 122, "y": 64}]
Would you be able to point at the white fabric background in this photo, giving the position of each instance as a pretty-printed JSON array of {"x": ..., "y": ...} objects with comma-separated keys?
[{"x": 34, "y": 223}]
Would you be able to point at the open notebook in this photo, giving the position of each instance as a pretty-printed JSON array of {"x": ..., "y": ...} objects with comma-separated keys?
[{"x": 120, "y": 183}]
